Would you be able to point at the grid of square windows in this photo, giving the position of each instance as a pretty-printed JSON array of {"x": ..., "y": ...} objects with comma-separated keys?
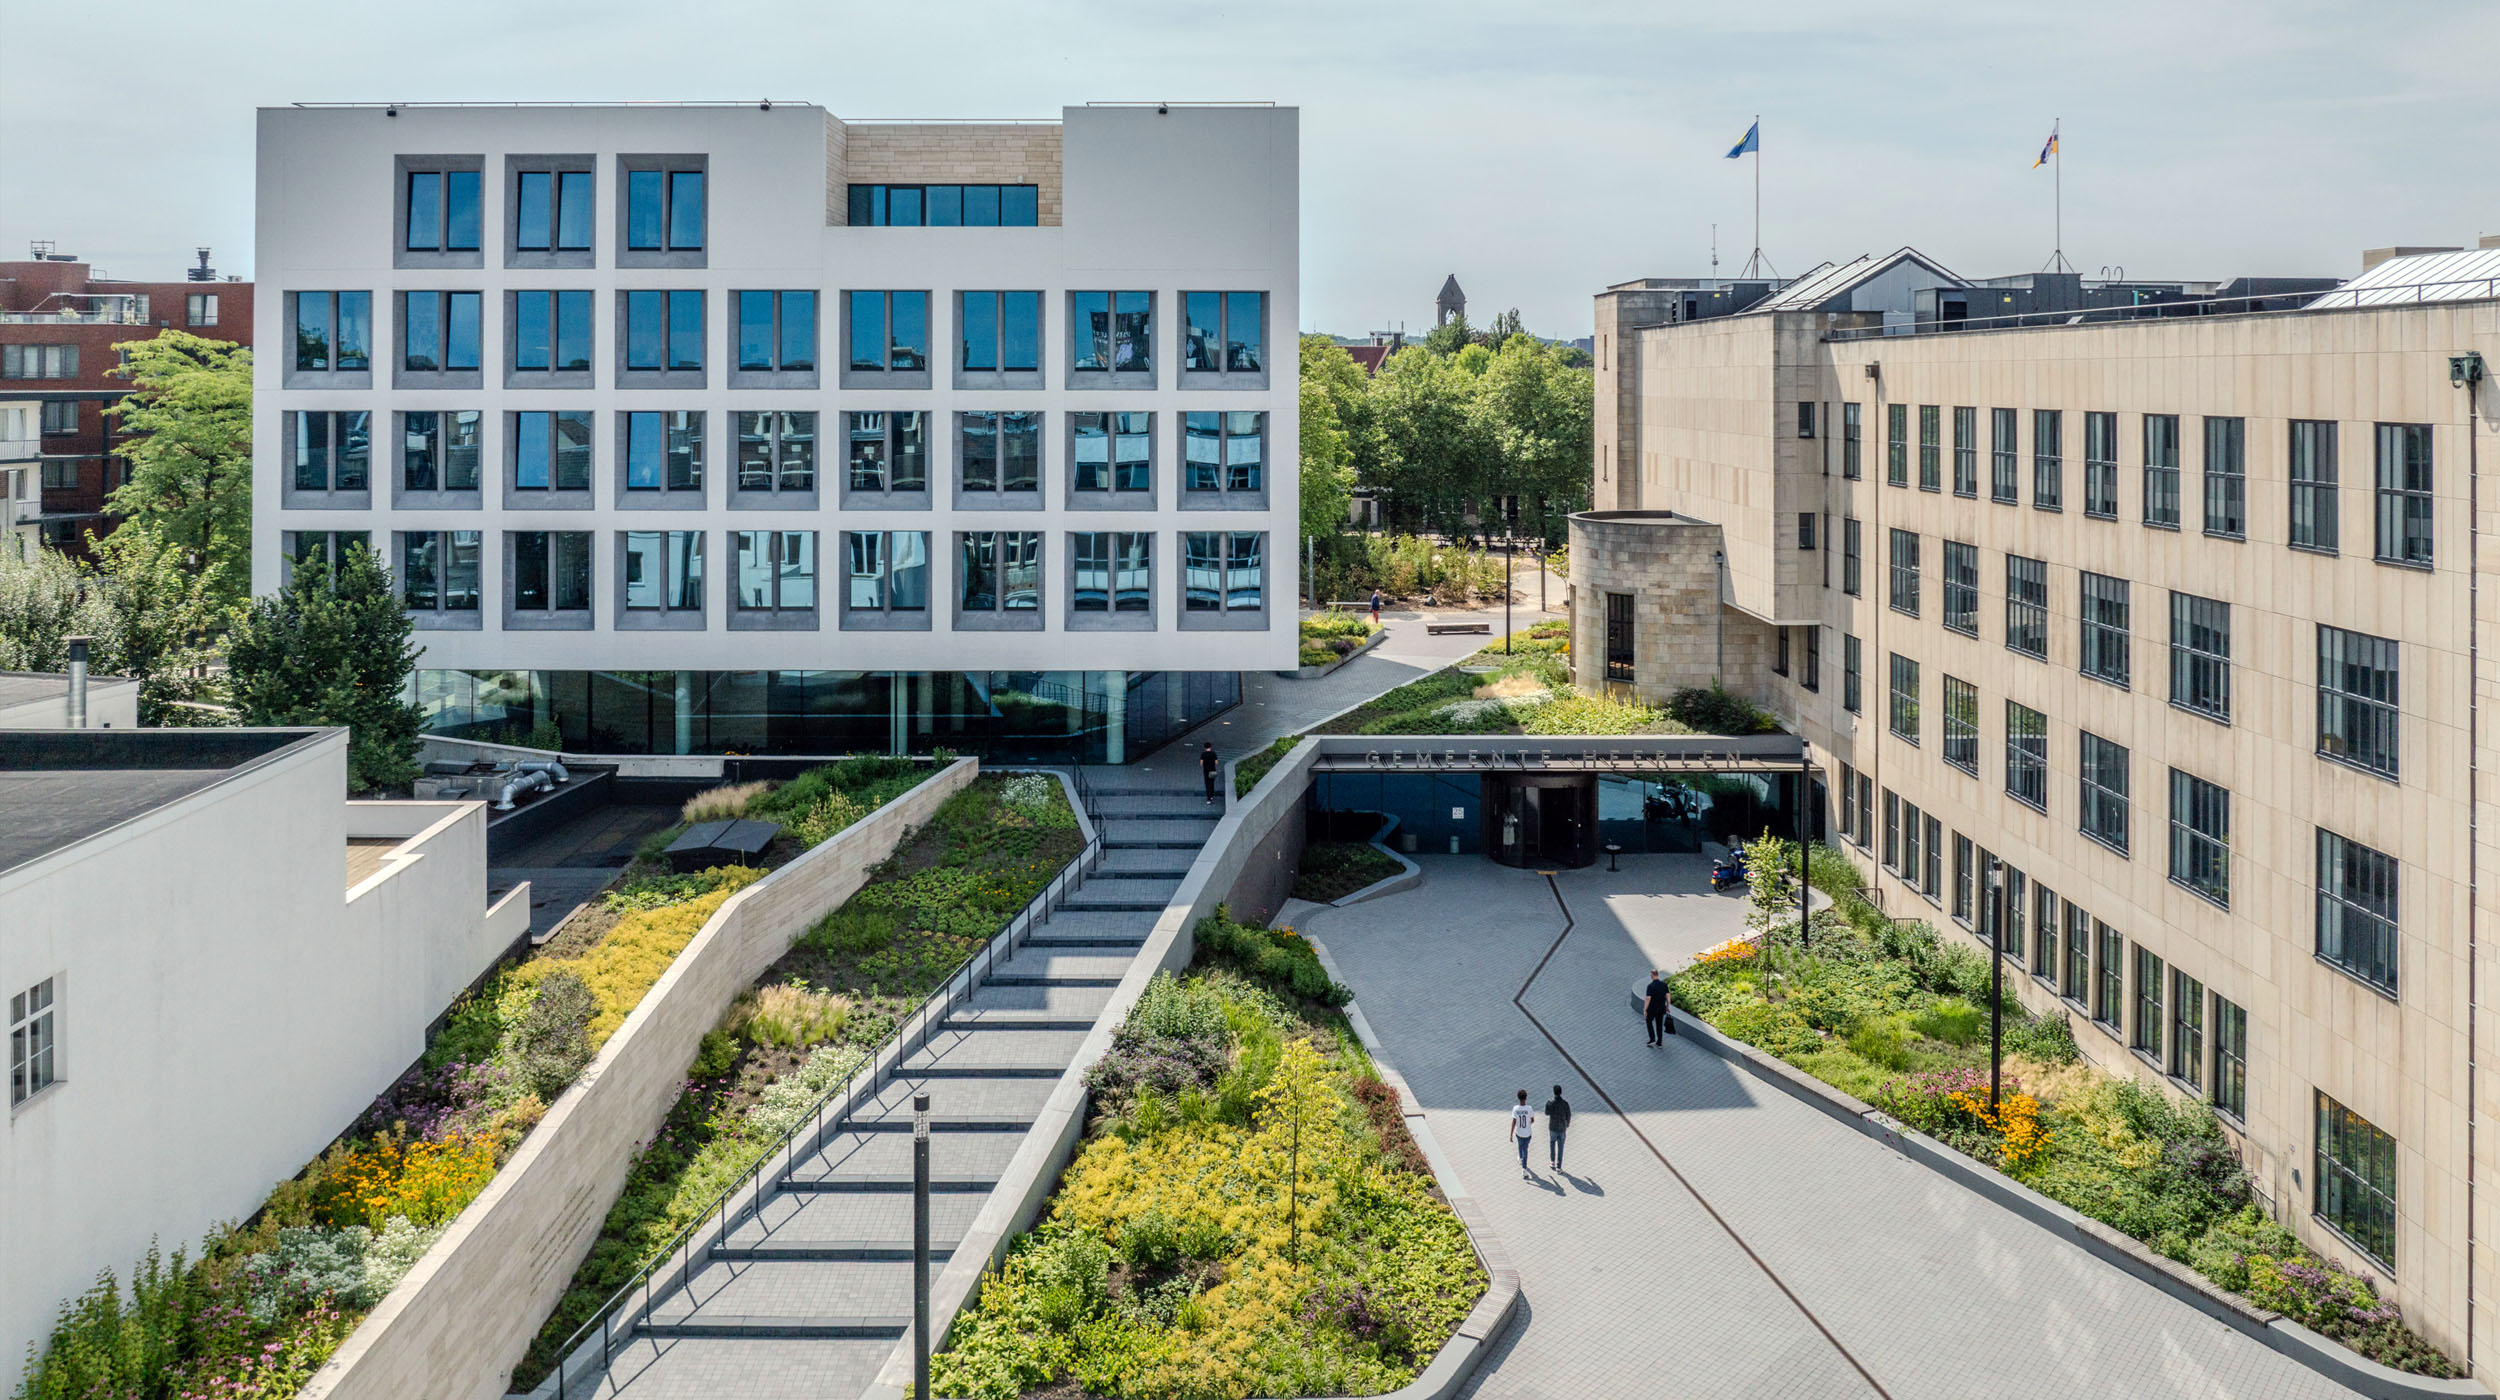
[
  {"x": 2200, "y": 655},
  {"x": 889, "y": 451},
  {"x": 1114, "y": 571},
  {"x": 333, "y": 332},
  {"x": 663, "y": 571},
  {"x": 2355, "y": 1181},
  {"x": 2404, "y": 493},
  {"x": 777, "y": 452},
  {"x": 1111, "y": 332},
  {"x": 33, "y": 1041},
  {"x": 664, "y": 450},
  {"x": 945, "y": 206}
]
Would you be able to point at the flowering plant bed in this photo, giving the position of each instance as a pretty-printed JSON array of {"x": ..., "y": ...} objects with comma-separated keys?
[
  {"x": 1889, "y": 1013},
  {"x": 265, "y": 1304},
  {"x": 816, "y": 1016},
  {"x": 1247, "y": 1214}
]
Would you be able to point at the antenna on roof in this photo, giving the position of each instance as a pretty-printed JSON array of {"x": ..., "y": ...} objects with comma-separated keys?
[{"x": 1714, "y": 252}]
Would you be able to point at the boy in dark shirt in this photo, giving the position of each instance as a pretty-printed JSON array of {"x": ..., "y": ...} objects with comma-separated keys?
[{"x": 1557, "y": 1122}]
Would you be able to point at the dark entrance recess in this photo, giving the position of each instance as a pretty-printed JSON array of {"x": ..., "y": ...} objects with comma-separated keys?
[{"x": 1541, "y": 819}]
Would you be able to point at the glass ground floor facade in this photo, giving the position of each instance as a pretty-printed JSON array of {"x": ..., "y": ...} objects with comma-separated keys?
[
  {"x": 1559, "y": 819},
  {"x": 1023, "y": 716}
]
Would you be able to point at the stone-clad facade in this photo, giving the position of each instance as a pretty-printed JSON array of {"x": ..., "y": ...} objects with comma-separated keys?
[{"x": 1739, "y": 421}]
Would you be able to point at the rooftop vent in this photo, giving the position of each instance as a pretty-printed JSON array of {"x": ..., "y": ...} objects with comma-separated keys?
[{"x": 202, "y": 273}]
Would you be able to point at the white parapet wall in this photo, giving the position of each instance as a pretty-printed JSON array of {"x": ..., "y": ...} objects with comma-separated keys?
[{"x": 456, "y": 1326}]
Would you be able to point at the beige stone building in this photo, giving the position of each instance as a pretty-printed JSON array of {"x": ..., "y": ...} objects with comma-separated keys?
[{"x": 2160, "y": 602}]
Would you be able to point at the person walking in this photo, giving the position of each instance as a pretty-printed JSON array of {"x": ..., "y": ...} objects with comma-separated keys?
[
  {"x": 1375, "y": 607},
  {"x": 1660, "y": 1010},
  {"x": 1523, "y": 1128},
  {"x": 1557, "y": 1122},
  {"x": 1210, "y": 768}
]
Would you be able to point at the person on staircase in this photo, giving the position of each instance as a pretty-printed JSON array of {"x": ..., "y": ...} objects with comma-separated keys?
[{"x": 1211, "y": 768}]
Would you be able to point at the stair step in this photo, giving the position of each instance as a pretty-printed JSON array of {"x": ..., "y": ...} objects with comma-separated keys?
[
  {"x": 1154, "y": 845},
  {"x": 864, "y": 1325},
  {"x": 1133, "y": 874},
  {"x": 829, "y": 1251},
  {"x": 1085, "y": 940},
  {"x": 883, "y": 1183},
  {"x": 1081, "y": 904},
  {"x": 951, "y": 1122},
  {"x": 1014, "y": 1021},
  {"x": 1049, "y": 979},
  {"x": 979, "y": 1071}
]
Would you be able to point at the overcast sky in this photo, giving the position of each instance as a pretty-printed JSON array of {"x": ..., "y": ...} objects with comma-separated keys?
[{"x": 1537, "y": 151}]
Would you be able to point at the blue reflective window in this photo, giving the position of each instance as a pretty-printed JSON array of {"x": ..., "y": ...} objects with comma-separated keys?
[
  {"x": 574, "y": 207},
  {"x": 461, "y": 322},
  {"x": 944, "y": 205},
  {"x": 1020, "y": 331},
  {"x": 534, "y": 224},
  {"x": 646, "y": 330},
  {"x": 911, "y": 331},
  {"x": 868, "y": 330},
  {"x": 1203, "y": 351},
  {"x": 755, "y": 330},
  {"x": 643, "y": 198},
  {"x": 1245, "y": 350},
  {"x": 460, "y": 211},
  {"x": 573, "y": 330},
  {"x": 1020, "y": 206},
  {"x": 867, "y": 203},
  {"x": 1089, "y": 318},
  {"x": 980, "y": 330},
  {"x": 312, "y": 330},
  {"x": 902, "y": 207},
  {"x": 1134, "y": 325},
  {"x": 355, "y": 336},
  {"x": 685, "y": 210},
  {"x": 425, "y": 210},
  {"x": 980, "y": 206},
  {"x": 421, "y": 331},
  {"x": 685, "y": 330},
  {"x": 534, "y": 456},
  {"x": 532, "y": 328},
  {"x": 643, "y": 454},
  {"x": 798, "y": 330}
]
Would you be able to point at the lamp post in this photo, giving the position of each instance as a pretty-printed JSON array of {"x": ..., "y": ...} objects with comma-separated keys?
[
  {"x": 1996, "y": 980},
  {"x": 920, "y": 1244}
]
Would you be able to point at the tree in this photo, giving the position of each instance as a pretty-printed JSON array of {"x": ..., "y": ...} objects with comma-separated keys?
[
  {"x": 334, "y": 648},
  {"x": 1450, "y": 337},
  {"x": 1432, "y": 453},
  {"x": 150, "y": 621},
  {"x": 1504, "y": 326},
  {"x": 1327, "y": 442},
  {"x": 1540, "y": 420},
  {"x": 189, "y": 488}
]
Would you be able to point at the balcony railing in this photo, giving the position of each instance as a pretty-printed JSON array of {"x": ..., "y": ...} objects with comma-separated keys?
[
  {"x": 100, "y": 316},
  {"x": 2332, "y": 299}
]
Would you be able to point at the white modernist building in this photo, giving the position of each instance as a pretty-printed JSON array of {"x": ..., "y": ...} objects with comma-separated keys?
[
  {"x": 705, "y": 427},
  {"x": 210, "y": 963}
]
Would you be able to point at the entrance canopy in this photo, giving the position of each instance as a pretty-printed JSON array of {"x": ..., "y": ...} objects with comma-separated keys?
[{"x": 1533, "y": 753}]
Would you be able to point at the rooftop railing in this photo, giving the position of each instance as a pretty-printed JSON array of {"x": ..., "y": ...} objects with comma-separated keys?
[{"x": 2333, "y": 299}]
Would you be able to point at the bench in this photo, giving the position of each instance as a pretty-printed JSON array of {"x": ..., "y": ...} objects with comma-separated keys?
[
  {"x": 1358, "y": 605},
  {"x": 1481, "y": 629}
]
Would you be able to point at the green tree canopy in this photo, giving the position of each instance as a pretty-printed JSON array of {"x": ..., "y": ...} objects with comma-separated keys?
[
  {"x": 189, "y": 489},
  {"x": 334, "y": 649},
  {"x": 1330, "y": 378},
  {"x": 150, "y": 621}
]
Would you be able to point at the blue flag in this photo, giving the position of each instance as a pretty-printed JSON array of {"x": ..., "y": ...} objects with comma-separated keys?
[{"x": 1752, "y": 141}]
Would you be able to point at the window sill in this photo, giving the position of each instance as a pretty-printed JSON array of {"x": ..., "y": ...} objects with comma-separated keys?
[
  {"x": 2005, "y": 500},
  {"x": 1911, "y": 613},
  {"x": 2105, "y": 844},
  {"x": 2224, "y": 903},
  {"x": 2111, "y": 1030},
  {"x": 2362, "y": 768},
  {"x": 2223, "y": 719},
  {"x": 1934, "y": 490},
  {"x": 1909, "y": 739},
  {"x": 2041, "y": 807},
  {"x": 2417, "y": 566},
  {"x": 2193, "y": 1090},
  {"x": 2039, "y": 656},
  {"x": 2053, "y": 508},
  {"x": 2148, "y": 1059},
  {"x": 1961, "y": 494},
  {"x": 2170, "y": 525},
  {"x": 2113, "y": 682},
  {"x": 2235, "y": 536},
  {"x": 2387, "y": 994},
  {"x": 1971, "y": 632},
  {"x": 2321, "y": 550},
  {"x": 1970, "y": 770}
]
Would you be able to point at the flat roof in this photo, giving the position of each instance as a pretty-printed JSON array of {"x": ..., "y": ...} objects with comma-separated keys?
[
  {"x": 61, "y": 786},
  {"x": 21, "y": 687}
]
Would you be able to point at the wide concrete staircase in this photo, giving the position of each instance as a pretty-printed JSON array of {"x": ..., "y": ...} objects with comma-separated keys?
[{"x": 808, "y": 1295}]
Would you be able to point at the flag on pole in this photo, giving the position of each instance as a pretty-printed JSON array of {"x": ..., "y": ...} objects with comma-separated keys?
[
  {"x": 1752, "y": 141},
  {"x": 2047, "y": 151}
]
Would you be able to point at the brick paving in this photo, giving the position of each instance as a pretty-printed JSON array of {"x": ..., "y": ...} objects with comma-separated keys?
[{"x": 1853, "y": 1263}]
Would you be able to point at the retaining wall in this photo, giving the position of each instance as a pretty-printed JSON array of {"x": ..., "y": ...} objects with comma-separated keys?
[{"x": 459, "y": 1322}]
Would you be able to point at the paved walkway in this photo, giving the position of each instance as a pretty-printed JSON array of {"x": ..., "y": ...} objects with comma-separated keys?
[{"x": 1716, "y": 1237}]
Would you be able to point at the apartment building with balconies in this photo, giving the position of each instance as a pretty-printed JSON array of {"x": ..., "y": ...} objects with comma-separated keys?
[
  {"x": 60, "y": 320},
  {"x": 2137, "y": 627},
  {"x": 739, "y": 427}
]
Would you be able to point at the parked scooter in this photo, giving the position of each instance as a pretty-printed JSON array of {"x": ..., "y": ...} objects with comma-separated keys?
[{"x": 1728, "y": 871}]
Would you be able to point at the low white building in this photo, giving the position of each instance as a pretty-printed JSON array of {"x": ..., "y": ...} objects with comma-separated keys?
[
  {"x": 40, "y": 700},
  {"x": 713, "y": 427},
  {"x": 209, "y": 964},
  {"x": 21, "y": 466}
]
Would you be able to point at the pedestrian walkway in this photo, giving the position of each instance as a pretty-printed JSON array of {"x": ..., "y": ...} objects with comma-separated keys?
[
  {"x": 807, "y": 1298},
  {"x": 1716, "y": 1237}
]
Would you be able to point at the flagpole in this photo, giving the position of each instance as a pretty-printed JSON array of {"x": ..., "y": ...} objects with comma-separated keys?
[
  {"x": 1753, "y": 266},
  {"x": 2057, "y": 177}
]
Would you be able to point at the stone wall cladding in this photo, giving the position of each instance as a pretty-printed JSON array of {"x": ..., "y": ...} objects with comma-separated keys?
[
  {"x": 974, "y": 153},
  {"x": 457, "y": 1324},
  {"x": 1664, "y": 562}
]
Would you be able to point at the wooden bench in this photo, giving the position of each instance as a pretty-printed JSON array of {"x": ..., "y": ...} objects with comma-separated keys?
[{"x": 1481, "y": 629}]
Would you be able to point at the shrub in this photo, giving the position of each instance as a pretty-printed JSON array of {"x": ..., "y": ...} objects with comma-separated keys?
[
  {"x": 550, "y": 1042},
  {"x": 1147, "y": 1241},
  {"x": 794, "y": 1096},
  {"x": 2047, "y": 1037},
  {"x": 1279, "y": 957},
  {"x": 855, "y": 929},
  {"x": 1332, "y": 870},
  {"x": 725, "y": 803},
  {"x": 787, "y": 1014},
  {"x": 426, "y": 1182},
  {"x": 1952, "y": 1020},
  {"x": 714, "y": 1057},
  {"x": 635, "y": 953},
  {"x": 827, "y": 819},
  {"x": 1879, "y": 1042},
  {"x": 1712, "y": 710}
]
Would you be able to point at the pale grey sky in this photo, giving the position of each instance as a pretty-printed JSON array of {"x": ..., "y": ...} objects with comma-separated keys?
[{"x": 1539, "y": 152}]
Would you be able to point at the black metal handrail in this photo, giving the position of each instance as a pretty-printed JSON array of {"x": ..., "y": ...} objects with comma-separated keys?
[{"x": 912, "y": 1035}]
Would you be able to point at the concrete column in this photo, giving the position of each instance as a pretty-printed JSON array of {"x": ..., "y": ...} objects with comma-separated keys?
[
  {"x": 685, "y": 712},
  {"x": 1115, "y": 717},
  {"x": 898, "y": 713}
]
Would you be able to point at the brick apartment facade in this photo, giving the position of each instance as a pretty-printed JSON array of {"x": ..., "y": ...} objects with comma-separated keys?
[{"x": 59, "y": 322}]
